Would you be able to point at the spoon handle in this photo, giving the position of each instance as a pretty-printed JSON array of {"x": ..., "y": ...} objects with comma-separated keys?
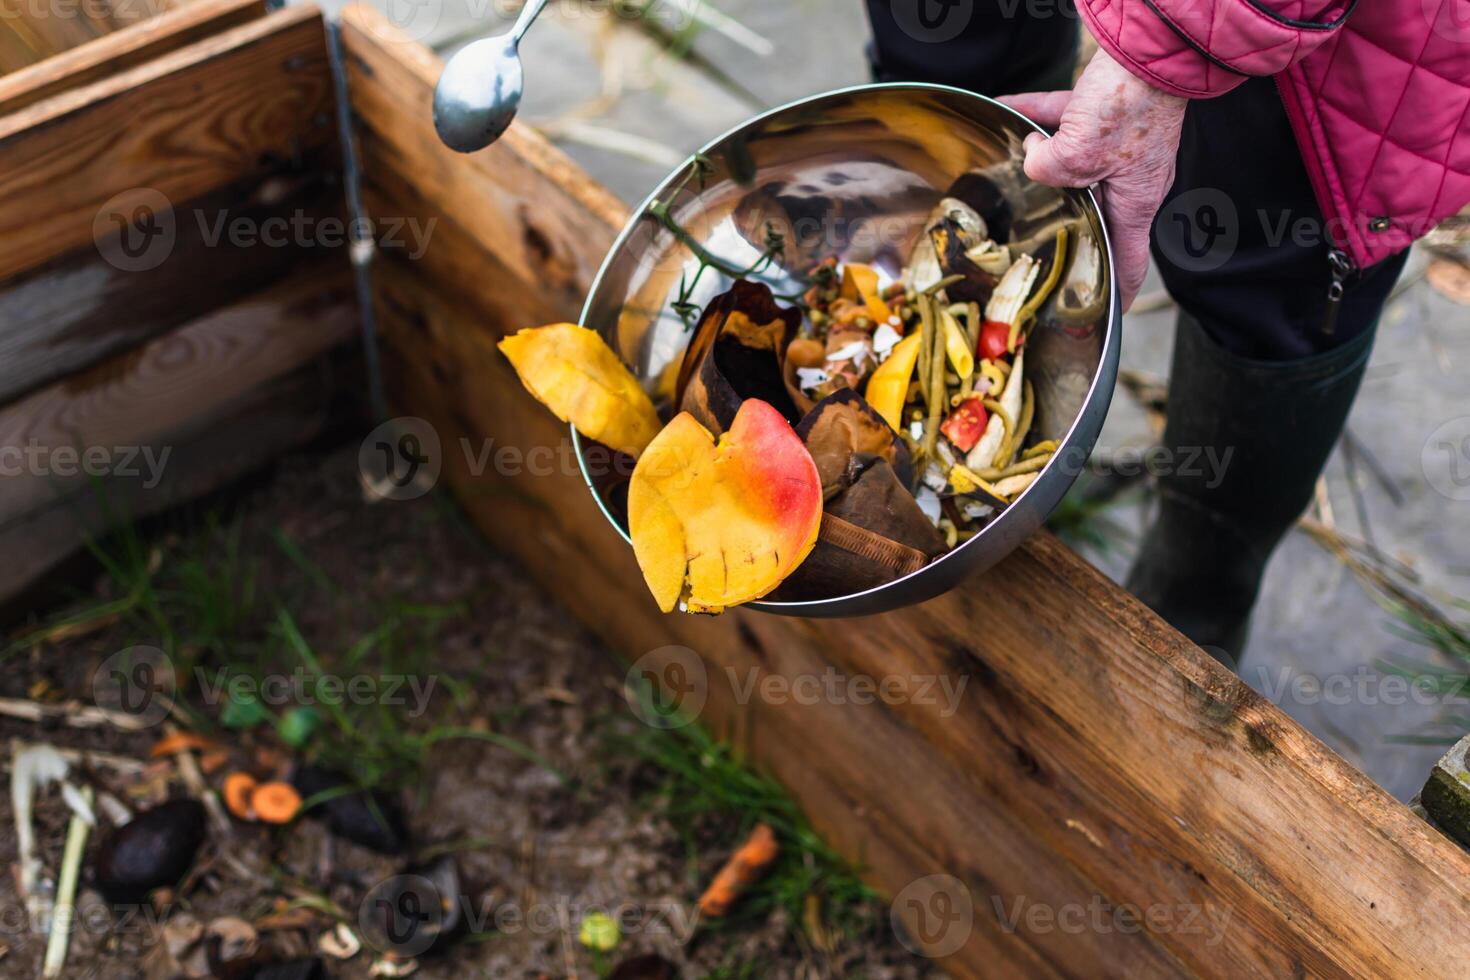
[{"x": 528, "y": 15}]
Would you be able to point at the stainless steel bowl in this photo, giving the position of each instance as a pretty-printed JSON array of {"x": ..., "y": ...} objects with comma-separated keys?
[{"x": 855, "y": 173}]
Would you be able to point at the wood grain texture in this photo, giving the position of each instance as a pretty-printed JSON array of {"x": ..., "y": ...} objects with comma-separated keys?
[
  {"x": 242, "y": 435},
  {"x": 1097, "y": 760},
  {"x": 80, "y": 308},
  {"x": 131, "y": 45},
  {"x": 169, "y": 389},
  {"x": 31, "y": 32},
  {"x": 181, "y": 125}
]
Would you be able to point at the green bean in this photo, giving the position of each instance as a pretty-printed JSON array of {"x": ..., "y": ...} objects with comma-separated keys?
[
  {"x": 1032, "y": 465},
  {"x": 936, "y": 395}
]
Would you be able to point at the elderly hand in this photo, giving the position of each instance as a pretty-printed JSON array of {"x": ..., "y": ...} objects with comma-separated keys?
[{"x": 1116, "y": 129}]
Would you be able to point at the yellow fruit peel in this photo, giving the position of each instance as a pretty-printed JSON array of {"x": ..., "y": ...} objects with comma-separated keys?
[
  {"x": 888, "y": 388},
  {"x": 573, "y": 372}
]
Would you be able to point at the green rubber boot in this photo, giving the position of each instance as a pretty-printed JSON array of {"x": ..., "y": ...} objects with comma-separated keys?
[{"x": 1247, "y": 441}]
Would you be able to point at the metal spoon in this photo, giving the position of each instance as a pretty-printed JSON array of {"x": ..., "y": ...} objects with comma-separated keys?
[{"x": 480, "y": 90}]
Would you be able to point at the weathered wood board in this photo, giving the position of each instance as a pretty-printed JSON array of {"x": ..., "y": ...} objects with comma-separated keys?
[
  {"x": 186, "y": 415},
  {"x": 1095, "y": 762},
  {"x": 132, "y": 45},
  {"x": 180, "y": 125},
  {"x": 175, "y": 272},
  {"x": 32, "y": 32}
]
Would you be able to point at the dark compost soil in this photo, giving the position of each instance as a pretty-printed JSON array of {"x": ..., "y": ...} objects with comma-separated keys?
[{"x": 490, "y": 656}]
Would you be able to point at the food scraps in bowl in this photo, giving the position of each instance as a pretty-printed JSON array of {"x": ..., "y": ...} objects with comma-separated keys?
[{"x": 829, "y": 446}]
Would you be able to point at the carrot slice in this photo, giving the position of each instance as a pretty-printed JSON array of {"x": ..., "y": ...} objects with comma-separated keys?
[
  {"x": 276, "y": 802},
  {"x": 744, "y": 866},
  {"x": 239, "y": 787}
]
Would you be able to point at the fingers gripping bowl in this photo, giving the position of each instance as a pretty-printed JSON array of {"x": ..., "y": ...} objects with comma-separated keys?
[{"x": 857, "y": 180}]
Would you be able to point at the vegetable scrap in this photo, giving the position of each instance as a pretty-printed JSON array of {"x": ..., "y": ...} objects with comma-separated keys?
[
  {"x": 272, "y": 802},
  {"x": 153, "y": 850},
  {"x": 238, "y": 788},
  {"x": 275, "y": 802},
  {"x": 740, "y": 872},
  {"x": 719, "y": 523},
  {"x": 599, "y": 931},
  {"x": 834, "y": 445}
]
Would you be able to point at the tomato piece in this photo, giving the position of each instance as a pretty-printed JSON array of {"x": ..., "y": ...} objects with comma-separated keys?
[
  {"x": 966, "y": 424},
  {"x": 994, "y": 338}
]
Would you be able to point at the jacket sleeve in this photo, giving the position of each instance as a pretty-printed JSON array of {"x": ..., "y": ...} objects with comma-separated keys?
[{"x": 1203, "y": 48}]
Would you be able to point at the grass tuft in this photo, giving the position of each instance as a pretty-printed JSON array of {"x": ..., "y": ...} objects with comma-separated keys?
[{"x": 715, "y": 801}]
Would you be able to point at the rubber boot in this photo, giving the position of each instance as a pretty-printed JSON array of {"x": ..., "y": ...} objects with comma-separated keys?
[{"x": 1246, "y": 442}]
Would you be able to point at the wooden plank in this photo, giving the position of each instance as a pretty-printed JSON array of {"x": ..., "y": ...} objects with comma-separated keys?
[
  {"x": 1097, "y": 760},
  {"x": 168, "y": 393},
  {"x": 122, "y": 49},
  {"x": 32, "y": 32},
  {"x": 81, "y": 308},
  {"x": 179, "y": 125},
  {"x": 244, "y": 435}
]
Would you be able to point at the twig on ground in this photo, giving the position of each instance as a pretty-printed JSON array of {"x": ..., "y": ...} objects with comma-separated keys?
[
  {"x": 1376, "y": 467},
  {"x": 1355, "y": 487},
  {"x": 93, "y": 758},
  {"x": 613, "y": 140},
  {"x": 72, "y": 713},
  {"x": 194, "y": 779},
  {"x": 732, "y": 30}
]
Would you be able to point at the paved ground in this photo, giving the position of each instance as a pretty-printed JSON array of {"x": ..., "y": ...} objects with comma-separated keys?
[{"x": 1314, "y": 623}]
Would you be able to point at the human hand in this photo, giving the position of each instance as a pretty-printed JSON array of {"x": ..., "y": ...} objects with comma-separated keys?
[{"x": 1113, "y": 128}]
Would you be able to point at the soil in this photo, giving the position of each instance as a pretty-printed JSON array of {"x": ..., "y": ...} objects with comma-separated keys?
[{"x": 536, "y": 852}]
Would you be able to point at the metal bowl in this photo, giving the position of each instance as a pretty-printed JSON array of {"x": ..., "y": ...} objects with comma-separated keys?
[{"x": 855, "y": 173}]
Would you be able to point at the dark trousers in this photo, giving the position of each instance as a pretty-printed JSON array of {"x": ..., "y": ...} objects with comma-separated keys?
[{"x": 1240, "y": 240}]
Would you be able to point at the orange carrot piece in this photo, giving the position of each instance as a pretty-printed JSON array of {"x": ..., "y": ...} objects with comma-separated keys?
[
  {"x": 213, "y": 760},
  {"x": 179, "y": 742},
  {"x": 744, "y": 866},
  {"x": 276, "y": 802},
  {"x": 239, "y": 787}
]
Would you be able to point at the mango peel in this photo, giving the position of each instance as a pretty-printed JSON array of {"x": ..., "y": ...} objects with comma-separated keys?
[
  {"x": 573, "y": 372},
  {"x": 720, "y": 523}
]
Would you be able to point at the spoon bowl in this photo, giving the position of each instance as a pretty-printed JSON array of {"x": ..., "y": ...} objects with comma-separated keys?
[
  {"x": 479, "y": 91},
  {"x": 478, "y": 94}
]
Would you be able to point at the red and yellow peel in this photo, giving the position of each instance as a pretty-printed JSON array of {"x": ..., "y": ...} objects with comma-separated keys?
[{"x": 722, "y": 523}]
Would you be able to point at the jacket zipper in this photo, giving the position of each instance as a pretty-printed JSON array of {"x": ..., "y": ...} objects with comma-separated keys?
[
  {"x": 1342, "y": 267},
  {"x": 1314, "y": 160}
]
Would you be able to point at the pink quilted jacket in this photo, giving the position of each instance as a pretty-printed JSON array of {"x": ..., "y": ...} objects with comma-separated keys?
[{"x": 1378, "y": 95}]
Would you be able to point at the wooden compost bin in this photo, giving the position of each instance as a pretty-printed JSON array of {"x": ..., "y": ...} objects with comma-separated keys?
[
  {"x": 1098, "y": 759},
  {"x": 190, "y": 340}
]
